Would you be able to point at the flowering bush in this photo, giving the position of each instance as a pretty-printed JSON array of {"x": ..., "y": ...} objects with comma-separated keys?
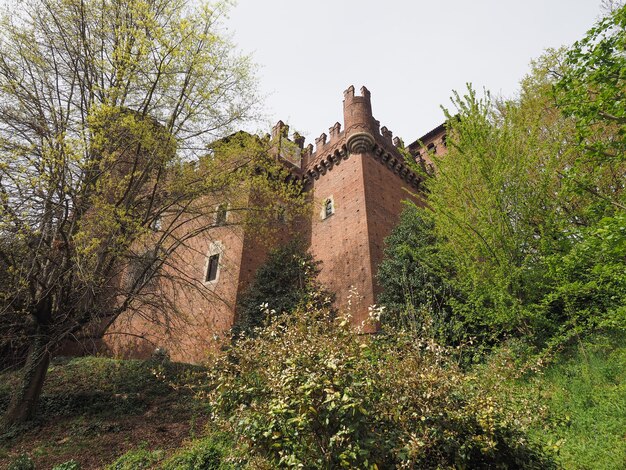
[{"x": 310, "y": 393}]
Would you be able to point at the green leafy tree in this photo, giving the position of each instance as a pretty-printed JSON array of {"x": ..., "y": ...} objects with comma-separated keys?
[
  {"x": 494, "y": 204},
  {"x": 104, "y": 104},
  {"x": 286, "y": 280},
  {"x": 593, "y": 90},
  {"x": 416, "y": 278},
  {"x": 530, "y": 210}
]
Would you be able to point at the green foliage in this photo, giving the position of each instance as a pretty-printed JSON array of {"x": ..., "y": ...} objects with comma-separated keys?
[
  {"x": 286, "y": 280},
  {"x": 415, "y": 277},
  {"x": 23, "y": 462},
  {"x": 529, "y": 222},
  {"x": 589, "y": 281},
  {"x": 203, "y": 454},
  {"x": 494, "y": 210},
  {"x": 136, "y": 459},
  {"x": 69, "y": 465},
  {"x": 309, "y": 393},
  {"x": 578, "y": 400},
  {"x": 593, "y": 88}
]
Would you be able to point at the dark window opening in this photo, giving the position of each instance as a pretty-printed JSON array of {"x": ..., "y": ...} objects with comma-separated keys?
[
  {"x": 211, "y": 270},
  {"x": 328, "y": 208},
  {"x": 431, "y": 147},
  {"x": 220, "y": 217}
]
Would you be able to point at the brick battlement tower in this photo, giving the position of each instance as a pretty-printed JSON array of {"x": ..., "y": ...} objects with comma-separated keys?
[{"x": 358, "y": 180}]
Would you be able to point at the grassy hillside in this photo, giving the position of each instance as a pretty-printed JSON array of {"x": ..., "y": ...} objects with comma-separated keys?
[
  {"x": 105, "y": 413},
  {"x": 94, "y": 409},
  {"x": 576, "y": 404},
  {"x": 585, "y": 395}
]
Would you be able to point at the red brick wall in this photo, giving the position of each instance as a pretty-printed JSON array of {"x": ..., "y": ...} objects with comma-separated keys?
[
  {"x": 340, "y": 241},
  {"x": 384, "y": 193},
  {"x": 367, "y": 190},
  {"x": 190, "y": 317}
]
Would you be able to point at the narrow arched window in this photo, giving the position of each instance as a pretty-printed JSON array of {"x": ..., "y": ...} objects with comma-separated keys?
[{"x": 213, "y": 263}]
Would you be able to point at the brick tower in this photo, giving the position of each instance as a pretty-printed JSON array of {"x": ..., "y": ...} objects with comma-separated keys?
[{"x": 358, "y": 179}]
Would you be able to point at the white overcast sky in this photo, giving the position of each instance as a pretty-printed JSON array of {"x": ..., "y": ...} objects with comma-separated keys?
[{"x": 409, "y": 54}]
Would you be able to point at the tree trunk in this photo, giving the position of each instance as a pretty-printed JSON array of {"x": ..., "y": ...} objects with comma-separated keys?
[{"x": 24, "y": 402}]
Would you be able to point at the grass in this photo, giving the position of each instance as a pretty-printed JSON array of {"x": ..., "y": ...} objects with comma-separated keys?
[
  {"x": 585, "y": 392},
  {"x": 94, "y": 410},
  {"x": 579, "y": 402},
  {"x": 120, "y": 414}
]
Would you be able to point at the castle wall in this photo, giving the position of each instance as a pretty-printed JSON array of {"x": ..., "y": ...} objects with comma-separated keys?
[
  {"x": 360, "y": 170},
  {"x": 384, "y": 193},
  {"x": 340, "y": 240},
  {"x": 189, "y": 316},
  {"x": 365, "y": 175}
]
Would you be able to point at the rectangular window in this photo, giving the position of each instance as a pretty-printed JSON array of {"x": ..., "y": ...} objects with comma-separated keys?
[
  {"x": 328, "y": 208},
  {"x": 211, "y": 270},
  {"x": 220, "y": 216}
]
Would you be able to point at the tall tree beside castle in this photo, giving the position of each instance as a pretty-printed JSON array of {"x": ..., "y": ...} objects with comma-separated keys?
[
  {"x": 529, "y": 203},
  {"x": 103, "y": 104}
]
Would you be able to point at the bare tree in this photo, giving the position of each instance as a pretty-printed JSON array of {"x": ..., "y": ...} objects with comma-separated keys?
[
  {"x": 103, "y": 104},
  {"x": 610, "y": 6}
]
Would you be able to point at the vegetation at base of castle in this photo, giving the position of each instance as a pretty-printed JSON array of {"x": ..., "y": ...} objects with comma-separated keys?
[
  {"x": 415, "y": 277},
  {"x": 579, "y": 397},
  {"x": 99, "y": 412},
  {"x": 309, "y": 393},
  {"x": 527, "y": 211},
  {"x": 106, "y": 104},
  {"x": 93, "y": 409},
  {"x": 287, "y": 280},
  {"x": 208, "y": 453}
]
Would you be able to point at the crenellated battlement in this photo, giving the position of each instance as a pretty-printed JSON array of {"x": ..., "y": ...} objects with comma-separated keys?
[{"x": 361, "y": 135}]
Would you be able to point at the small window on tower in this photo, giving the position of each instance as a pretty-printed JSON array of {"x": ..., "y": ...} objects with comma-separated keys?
[
  {"x": 328, "y": 208},
  {"x": 431, "y": 147},
  {"x": 221, "y": 214},
  {"x": 211, "y": 270}
]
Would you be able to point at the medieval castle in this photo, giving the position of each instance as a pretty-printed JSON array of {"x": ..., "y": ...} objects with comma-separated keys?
[{"x": 357, "y": 178}]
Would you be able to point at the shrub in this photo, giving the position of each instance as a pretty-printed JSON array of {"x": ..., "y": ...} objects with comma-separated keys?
[
  {"x": 203, "y": 454},
  {"x": 415, "y": 276},
  {"x": 310, "y": 393},
  {"x": 23, "y": 462},
  {"x": 136, "y": 459},
  {"x": 287, "y": 279}
]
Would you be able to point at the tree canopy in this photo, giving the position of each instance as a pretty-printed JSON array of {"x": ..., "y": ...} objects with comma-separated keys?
[
  {"x": 528, "y": 203},
  {"x": 105, "y": 107}
]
